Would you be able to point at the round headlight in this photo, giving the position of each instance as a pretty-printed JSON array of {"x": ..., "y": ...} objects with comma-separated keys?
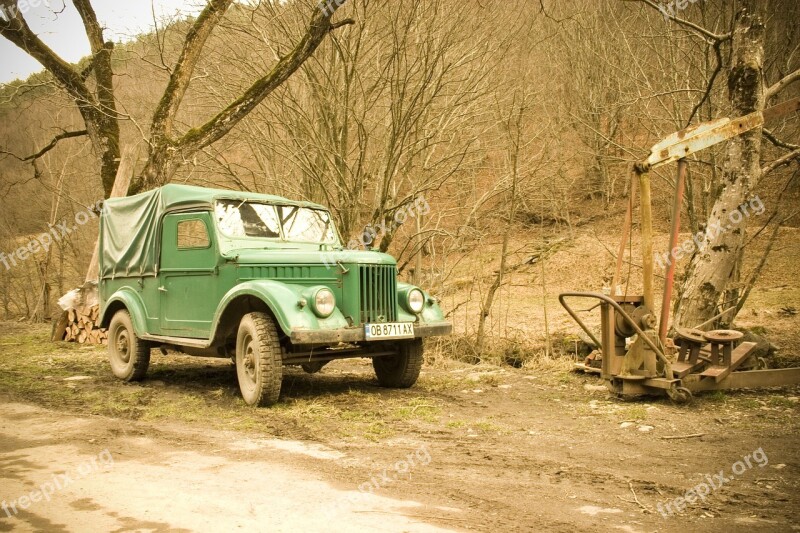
[
  {"x": 324, "y": 303},
  {"x": 416, "y": 300}
]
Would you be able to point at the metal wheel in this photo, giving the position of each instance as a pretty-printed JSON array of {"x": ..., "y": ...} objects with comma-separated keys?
[
  {"x": 259, "y": 360},
  {"x": 680, "y": 395},
  {"x": 129, "y": 356}
]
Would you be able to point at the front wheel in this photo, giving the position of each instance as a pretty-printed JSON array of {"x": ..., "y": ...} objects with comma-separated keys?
[
  {"x": 400, "y": 371},
  {"x": 129, "y": 355},
  {"x": 259, "y": 361}
]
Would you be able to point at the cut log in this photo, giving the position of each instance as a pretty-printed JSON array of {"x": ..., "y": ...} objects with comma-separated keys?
[
  {"x": 60, "y": 327},
  {"x": 81, "y": 324}
]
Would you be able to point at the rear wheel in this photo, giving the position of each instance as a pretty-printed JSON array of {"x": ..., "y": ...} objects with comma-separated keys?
[
  {"x": 129, "y": 356},
  {"x": 259, "y": 361},
  {"x": 400, "y": 371}
]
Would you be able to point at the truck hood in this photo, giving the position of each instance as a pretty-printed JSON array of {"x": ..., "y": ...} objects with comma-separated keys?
[{"x": 252, "y": 256}]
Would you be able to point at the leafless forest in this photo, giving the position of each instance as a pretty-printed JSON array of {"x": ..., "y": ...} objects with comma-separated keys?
[
  {"x": 518, "y": 124},
  {"x": 490, "y": 145}
]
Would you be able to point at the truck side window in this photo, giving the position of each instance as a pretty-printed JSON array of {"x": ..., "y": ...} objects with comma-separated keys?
[{"x": 192, "y": 234}]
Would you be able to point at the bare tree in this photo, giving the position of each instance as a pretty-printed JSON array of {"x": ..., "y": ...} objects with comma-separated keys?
[
  {"x": 97, "y": 107},
  {"x": 718, "y": 263},
  {"x": 167, "y": 148},
  {"x": 386, "y": 112}
]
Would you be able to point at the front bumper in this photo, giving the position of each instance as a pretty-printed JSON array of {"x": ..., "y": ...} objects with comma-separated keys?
[{"x": 357, "y": 334}]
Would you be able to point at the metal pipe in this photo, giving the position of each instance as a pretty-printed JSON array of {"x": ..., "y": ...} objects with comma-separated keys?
[
  {"x": 625, "y": 317},
  {"x": 578, "y": 320},
  {"x": 669, "y": 282}
]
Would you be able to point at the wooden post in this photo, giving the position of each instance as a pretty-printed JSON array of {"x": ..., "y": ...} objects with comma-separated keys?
[{"x": 626, "y": 232}]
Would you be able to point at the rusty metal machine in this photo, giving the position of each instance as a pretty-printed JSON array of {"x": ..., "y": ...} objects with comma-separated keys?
[{"x": 635, "y": 356}]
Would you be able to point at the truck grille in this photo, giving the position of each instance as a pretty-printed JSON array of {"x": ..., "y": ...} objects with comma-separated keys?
[{"x": 378, "y": 293}]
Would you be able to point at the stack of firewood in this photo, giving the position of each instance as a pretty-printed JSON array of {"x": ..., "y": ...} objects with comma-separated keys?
[{"x": 80, "y": 325}]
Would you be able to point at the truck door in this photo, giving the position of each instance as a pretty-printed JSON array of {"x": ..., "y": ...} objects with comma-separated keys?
[{"x": 188, "y": 275}]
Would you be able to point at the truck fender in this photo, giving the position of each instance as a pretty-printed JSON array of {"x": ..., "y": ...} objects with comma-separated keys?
[
  {"x": 282, "y": 299},
  {"x": 130, "y": 300}
]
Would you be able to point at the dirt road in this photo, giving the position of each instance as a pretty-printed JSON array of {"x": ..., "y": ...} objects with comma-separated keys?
[{"x": 96, "y": 474}]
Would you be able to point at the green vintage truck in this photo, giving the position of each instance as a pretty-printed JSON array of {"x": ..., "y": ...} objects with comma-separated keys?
[{"x": 258, "y": 278}]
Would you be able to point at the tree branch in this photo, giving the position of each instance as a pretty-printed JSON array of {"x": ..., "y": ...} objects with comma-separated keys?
[
  {"x": 16, "y": 30},
  {"x": 50, "y": 146},
  {"x": 220, "y": 125},
  {"x": 88, "y": 69},
  {"x": 710, "y": 85},
  {"x": 777, "y": 142},
  {"x": 780, "y": 85},
  {"x": 182, "y": 73},
  {"x": 785, "y": 160},
  {"x": 691, "y": 25},
  {"x": 100, "y": 62},
  {"x": 107, "y": 119}
]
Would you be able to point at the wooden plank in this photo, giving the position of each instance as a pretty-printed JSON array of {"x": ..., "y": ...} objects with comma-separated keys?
[
  {"x": 681, "y": 370},
  {"x": 739, "y": 356}
]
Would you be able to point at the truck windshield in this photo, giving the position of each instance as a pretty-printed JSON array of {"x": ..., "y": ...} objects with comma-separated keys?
[{"x": 243, "y": 218}]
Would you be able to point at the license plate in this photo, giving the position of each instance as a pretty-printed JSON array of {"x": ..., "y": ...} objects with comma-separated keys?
[{"x": 390, "y": 330}]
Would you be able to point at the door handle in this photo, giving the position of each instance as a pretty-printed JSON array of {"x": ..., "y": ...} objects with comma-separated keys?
[{"x": 162, "y": 289}]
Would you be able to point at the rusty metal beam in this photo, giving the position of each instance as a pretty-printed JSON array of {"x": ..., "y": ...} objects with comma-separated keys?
[
  {"x": 701, "y": 136},
  {"x": 693, "y": 139},
  {"x": 783, "y": 109},
  {"x": 677, "y": 204}
]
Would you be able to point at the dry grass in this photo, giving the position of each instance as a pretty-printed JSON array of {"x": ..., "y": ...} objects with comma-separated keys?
[
  {"x": 183, "y": 389},
  {"x": 516, "y": 324}
]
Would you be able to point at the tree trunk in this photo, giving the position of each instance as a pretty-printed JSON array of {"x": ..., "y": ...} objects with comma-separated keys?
[{"x": 717, "y": 257}]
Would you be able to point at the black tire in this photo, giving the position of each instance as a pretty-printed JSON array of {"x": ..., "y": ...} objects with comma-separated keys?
[
  {"x": 129, "y": 355},
  {"x": 400, "y": 371},
  {"x": 259, "y": 361}
]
